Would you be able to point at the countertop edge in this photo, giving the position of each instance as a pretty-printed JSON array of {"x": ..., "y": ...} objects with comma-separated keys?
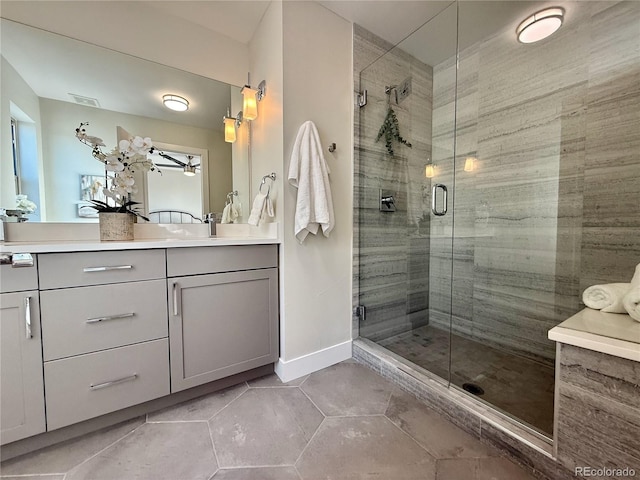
[
  {"x": 598, "y": 343},
  {"x": 97, "y": 245}
]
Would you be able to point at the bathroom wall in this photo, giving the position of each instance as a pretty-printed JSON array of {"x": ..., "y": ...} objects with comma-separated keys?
[
  {"x": 316, "y": 275},
  {"x": 393, "y": 257},
  {"x": 267, "y": 148},
  {"x": 554, "y": 198}
]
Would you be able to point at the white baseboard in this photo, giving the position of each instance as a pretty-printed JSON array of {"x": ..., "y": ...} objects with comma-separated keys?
[{"x": 301, "y": 366}]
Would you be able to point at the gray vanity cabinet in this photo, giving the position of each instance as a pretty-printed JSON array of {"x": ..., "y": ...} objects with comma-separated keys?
[
  {"x": 21, "y": 389},
  {"x": 104, "y": 332},
  {"x": 223, "y": 323}
]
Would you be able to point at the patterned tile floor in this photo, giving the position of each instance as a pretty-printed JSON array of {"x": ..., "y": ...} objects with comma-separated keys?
[
  {"x": 516, "y": 385},
  {"x": 343, "y": 422}
]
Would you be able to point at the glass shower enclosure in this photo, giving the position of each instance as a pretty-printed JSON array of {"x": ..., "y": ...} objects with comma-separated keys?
[{"x": 495, "y": 181}]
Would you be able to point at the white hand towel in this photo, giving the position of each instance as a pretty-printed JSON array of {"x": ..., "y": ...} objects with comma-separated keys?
[
  {"x": 607, "y": 297},
  {"x": 262, "y": 206},
  {"x": 631, "y": 300},
  {"x": 309, "y": 173}
]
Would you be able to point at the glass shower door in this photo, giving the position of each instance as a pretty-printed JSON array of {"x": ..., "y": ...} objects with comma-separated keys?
[{"x": 405, "y": 182}]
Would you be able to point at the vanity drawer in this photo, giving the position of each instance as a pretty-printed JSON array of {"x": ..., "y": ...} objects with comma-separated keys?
[
  {"x": 91, "y": 385},
  {"x": 59, "y": 270},
  {"x": 88, "y": 319},
  {"x": 199, "y": 260},
  {"x": 19, "y": 279}
]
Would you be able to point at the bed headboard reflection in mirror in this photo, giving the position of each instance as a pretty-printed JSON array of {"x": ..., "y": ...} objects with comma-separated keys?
[{"x": 52, "y": 83}]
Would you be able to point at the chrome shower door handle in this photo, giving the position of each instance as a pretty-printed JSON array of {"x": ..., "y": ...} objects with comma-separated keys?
[{"x": 434, "y": 207}]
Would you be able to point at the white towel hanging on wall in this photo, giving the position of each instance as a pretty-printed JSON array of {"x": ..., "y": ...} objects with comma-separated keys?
[{"x": 309, "y": 173}]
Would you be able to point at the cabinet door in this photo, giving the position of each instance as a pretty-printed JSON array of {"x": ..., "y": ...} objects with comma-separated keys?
[
  {"x": 21, "y": 381},
  {"x": 221, "y": 324}
]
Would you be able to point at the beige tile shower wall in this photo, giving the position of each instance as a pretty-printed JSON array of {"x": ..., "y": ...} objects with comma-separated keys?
[
  {"x": 555, "y": 198},
  {"x": 392, "y": 259}
]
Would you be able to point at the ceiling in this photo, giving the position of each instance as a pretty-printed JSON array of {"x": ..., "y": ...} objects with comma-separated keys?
[
  {"x": 57, "y": 67},
  {"x": 410, "y": 23},
  {"x": 237, "y": 19},
  {"x": 425, "y": 29}
]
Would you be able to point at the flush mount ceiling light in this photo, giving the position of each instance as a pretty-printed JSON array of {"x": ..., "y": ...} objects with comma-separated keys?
[
  {"x": 540, "y": 25},
  {"x": 175, "y": 102}
]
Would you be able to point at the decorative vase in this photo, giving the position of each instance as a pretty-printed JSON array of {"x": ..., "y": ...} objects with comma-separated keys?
[{"x": 116, "y": 226}]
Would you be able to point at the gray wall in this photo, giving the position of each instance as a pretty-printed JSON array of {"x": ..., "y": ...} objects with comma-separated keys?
[
  {"x": 554, "y": 203},
  {"x": 598, "y": 411},
  {"x": 392, "y": 249}
]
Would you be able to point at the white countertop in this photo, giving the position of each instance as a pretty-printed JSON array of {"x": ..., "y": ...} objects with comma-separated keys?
[
  {"x": 95, "y": 245},
  {"x": 611, "y": 333},
  {"x": 49, "y": 238}
]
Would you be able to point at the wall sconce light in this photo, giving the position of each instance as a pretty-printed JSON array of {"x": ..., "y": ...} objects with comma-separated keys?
[
  {"x": 430, "y": 171},
  {"x": 470, "y": 164},
  {"x": 230, "y": 125},
  {"x": 540, "y": 25},
  {"x": 250, "y": 99},
  {"x": 175, "y": 102}
]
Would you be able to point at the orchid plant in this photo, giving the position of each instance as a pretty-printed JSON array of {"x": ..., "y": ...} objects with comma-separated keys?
[
  {"x": 120, "y": 163},
  {"x": 25, "y": 205}
]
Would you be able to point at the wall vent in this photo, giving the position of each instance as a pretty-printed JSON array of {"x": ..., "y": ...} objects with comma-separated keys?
[{"x": 86, "y": 101}]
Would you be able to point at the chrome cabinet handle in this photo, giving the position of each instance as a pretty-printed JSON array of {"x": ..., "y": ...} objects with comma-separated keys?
[
  {"x": 176, "y": 289},
  {"x": 110, "y": 383},
  {"x": 107, "y": 269},
  {"x": 434, "y": 207},
  {"x": 110, "y": 317},
  {"x": 27, "y": 317}
]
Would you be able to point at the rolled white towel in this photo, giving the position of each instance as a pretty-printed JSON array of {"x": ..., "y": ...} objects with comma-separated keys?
[
  {"x": 607, "y": 297},
  {"x": 631, "y": 300}
]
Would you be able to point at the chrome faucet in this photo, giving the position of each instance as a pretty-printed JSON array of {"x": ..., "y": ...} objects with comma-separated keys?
[{"x": 210, "y": 218}]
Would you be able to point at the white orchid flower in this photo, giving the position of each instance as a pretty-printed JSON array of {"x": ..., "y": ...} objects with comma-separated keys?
[
  {"x": 113, "y": 164},
  {"x": 109, "y": 194},
  {"x": 129, "y": 156},
  {"x": 126, "y": 147}
]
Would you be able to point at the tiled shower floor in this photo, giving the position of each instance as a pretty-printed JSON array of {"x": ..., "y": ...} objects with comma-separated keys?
[
  {"x": 342, "y": 423},
  {"x": 516, "y": 385}
]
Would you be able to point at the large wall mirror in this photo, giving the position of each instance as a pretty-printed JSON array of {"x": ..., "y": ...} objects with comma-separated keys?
[{"x": 51, "y": 83}]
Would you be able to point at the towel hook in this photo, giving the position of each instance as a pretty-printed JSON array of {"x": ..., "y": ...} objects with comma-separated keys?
[
  {"x": 332, "y": 147},
  {"x": 272, "y": 177}
]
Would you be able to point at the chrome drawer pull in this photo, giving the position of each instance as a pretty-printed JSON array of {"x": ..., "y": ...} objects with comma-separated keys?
[
  {"x": 110, "y": 317},
  {"x": 113, "y": 382},
  {"x": 176, "y": 291},
  {"x": 107, "y": 269},
  {"x": 27, "y": 317}
]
